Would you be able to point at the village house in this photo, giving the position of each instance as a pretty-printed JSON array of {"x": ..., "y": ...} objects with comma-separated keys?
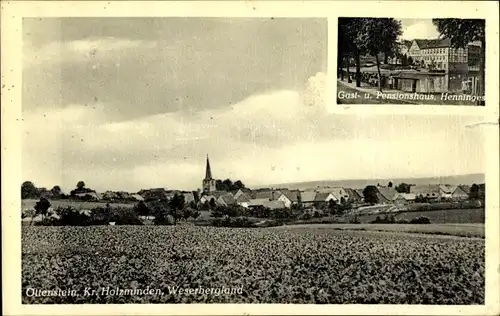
[
  {"x": 404, "y": 198},
  {"x": 275, "y": 204},
  {"x": 354, "y": 196},
  {"x": 188, "y": 197},
  {"x": 307, "y": 198},
  {"x": 262, "y": 193},
  {"x": 386, "y": 195},
  {"x": 402, "y": 49},
  {"x": 461, "y": 192},
  {"x": 243, "y": 200},
  {"x": 153, "y": 194},
  {"x": 137, "y": 197},
  {"x": 89, "y": 196},
  {"x": 361, "y": 194},
  {"x": 288, "y": 197},
  {"x": 207, "y": 198},
  {"x": 240, "y": 192},
  {"x": 225, "y": 200},
  {"x": 322, "y": 199},
  {"x": 447, "y": 191},
  {"x": 340, "y": 194},
  {"x": 430, "y": 192}
]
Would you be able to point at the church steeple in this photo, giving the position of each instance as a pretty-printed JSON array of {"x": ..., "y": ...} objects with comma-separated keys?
[
  {"x": 209, "y": 184},
  {"x": 208, "y": 171}
]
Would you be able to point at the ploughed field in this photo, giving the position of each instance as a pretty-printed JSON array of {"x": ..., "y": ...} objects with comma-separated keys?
[
  {"x": 292, "y": 265},
  {"x": 475, "y": 215}
]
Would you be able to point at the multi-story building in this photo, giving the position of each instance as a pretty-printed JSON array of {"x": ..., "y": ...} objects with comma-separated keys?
[{"x": 452, "y": 68}]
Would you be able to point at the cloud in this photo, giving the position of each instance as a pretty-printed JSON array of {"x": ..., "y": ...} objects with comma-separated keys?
[
  {"x": 93, "y": 50},
  {"x": 420, "y": 30},
  {"x": 147, "y": 66},
  {"x": 274, "y": 137}
]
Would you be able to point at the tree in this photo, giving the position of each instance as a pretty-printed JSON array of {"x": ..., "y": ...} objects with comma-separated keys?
[
  {"x": 332, "y": 206},
  {"x": 378, "y": 35},
  {"x": 29, "y": 190},
  {"x": 370, "y": 194},
  {"x": 461, "y": 32},
  {"x": 410, "y": 60},
  {"x": 195, "y": 214},
  {"x": 193, "y": 205},
  {"x": 56, "y": 191},
  {"x": 239, "y": 185},
  {"x": 228, "y": 184},
  {"x": 142, "y": 209},
  {"x": 160, "y": 209},
  {"x": 390, "y": 184},
  {"x": 80, "y": 185},
  {"x": 177, "y": 202},
  {"x": 42, "y": 207},
  {"x": 212, "y": 204},
  {"x": 403, "y": 188},
  {"x": 186, "y": 213},
  {"x": 347, "y": 32},
  {"x": 474, "y": 192},
  {"x": 404, "y": 60},
  {"x": 420, "y": 199},
  {"x": 482, "y": 192}
]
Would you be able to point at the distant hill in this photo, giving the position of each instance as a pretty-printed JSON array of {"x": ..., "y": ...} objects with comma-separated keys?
[{"x": 361, "y": 183}]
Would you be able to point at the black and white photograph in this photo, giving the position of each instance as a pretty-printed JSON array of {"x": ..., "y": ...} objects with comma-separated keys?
[
  {"x": 437, "y": 61},
  {"x": 193, "y": 160}
]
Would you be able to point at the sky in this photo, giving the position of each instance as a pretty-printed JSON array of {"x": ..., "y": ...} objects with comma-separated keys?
[
  {"x": 135, "y": 103},
  {"x": 418, "y": 29}
]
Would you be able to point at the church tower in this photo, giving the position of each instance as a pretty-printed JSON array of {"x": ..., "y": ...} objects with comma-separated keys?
[{"x": 208, "y": 182}]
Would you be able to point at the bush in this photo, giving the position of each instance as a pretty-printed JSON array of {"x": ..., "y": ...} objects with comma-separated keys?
[
  {"x": 387, "y": 219},
  {"x": 420, "y": 220},
  {"x": 68, "y": 216},
  {"x": 125, "y": 216},
  {"x": 142, "y": 209},
  {"x": 354, "y": 220},
  {"x": 317, "y": 214},
  {"x": 100, "y": 216},
  {"x": 160, "y": 209},
  {"x": 271, "y": 223},
  {"x": 227, "y": 221},
  {"x": 48, "y": 221},
  {"x": 305, "y": 216}
]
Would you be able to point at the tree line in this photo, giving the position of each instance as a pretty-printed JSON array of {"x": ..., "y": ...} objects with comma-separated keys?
[
  {"x": 362, "y": 36},
  {"x": 228, "y": 185},
  {"x": 30, "y": 191},
  {"x": 164, "y": 212}
]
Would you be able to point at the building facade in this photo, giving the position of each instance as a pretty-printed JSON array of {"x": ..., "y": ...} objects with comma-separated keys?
[{"x": 459, "y": 67}]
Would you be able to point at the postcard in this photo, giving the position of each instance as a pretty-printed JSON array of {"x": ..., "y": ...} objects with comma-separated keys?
[{"x": 230, "y": 158}]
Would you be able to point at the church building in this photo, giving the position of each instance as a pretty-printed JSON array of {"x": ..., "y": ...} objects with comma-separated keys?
[{"x": 208, "y": 183}]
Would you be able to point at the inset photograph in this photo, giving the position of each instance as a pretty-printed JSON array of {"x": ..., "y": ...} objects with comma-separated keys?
[{"x": 411, "y": 61}]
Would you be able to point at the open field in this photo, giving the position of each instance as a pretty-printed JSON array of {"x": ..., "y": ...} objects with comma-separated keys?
[
  {"x": 461, "y": 230},
  {"x": 269, "y": 265},
  {"x": 79, "y": 205},
  {"x": 475, "y": 215}
]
